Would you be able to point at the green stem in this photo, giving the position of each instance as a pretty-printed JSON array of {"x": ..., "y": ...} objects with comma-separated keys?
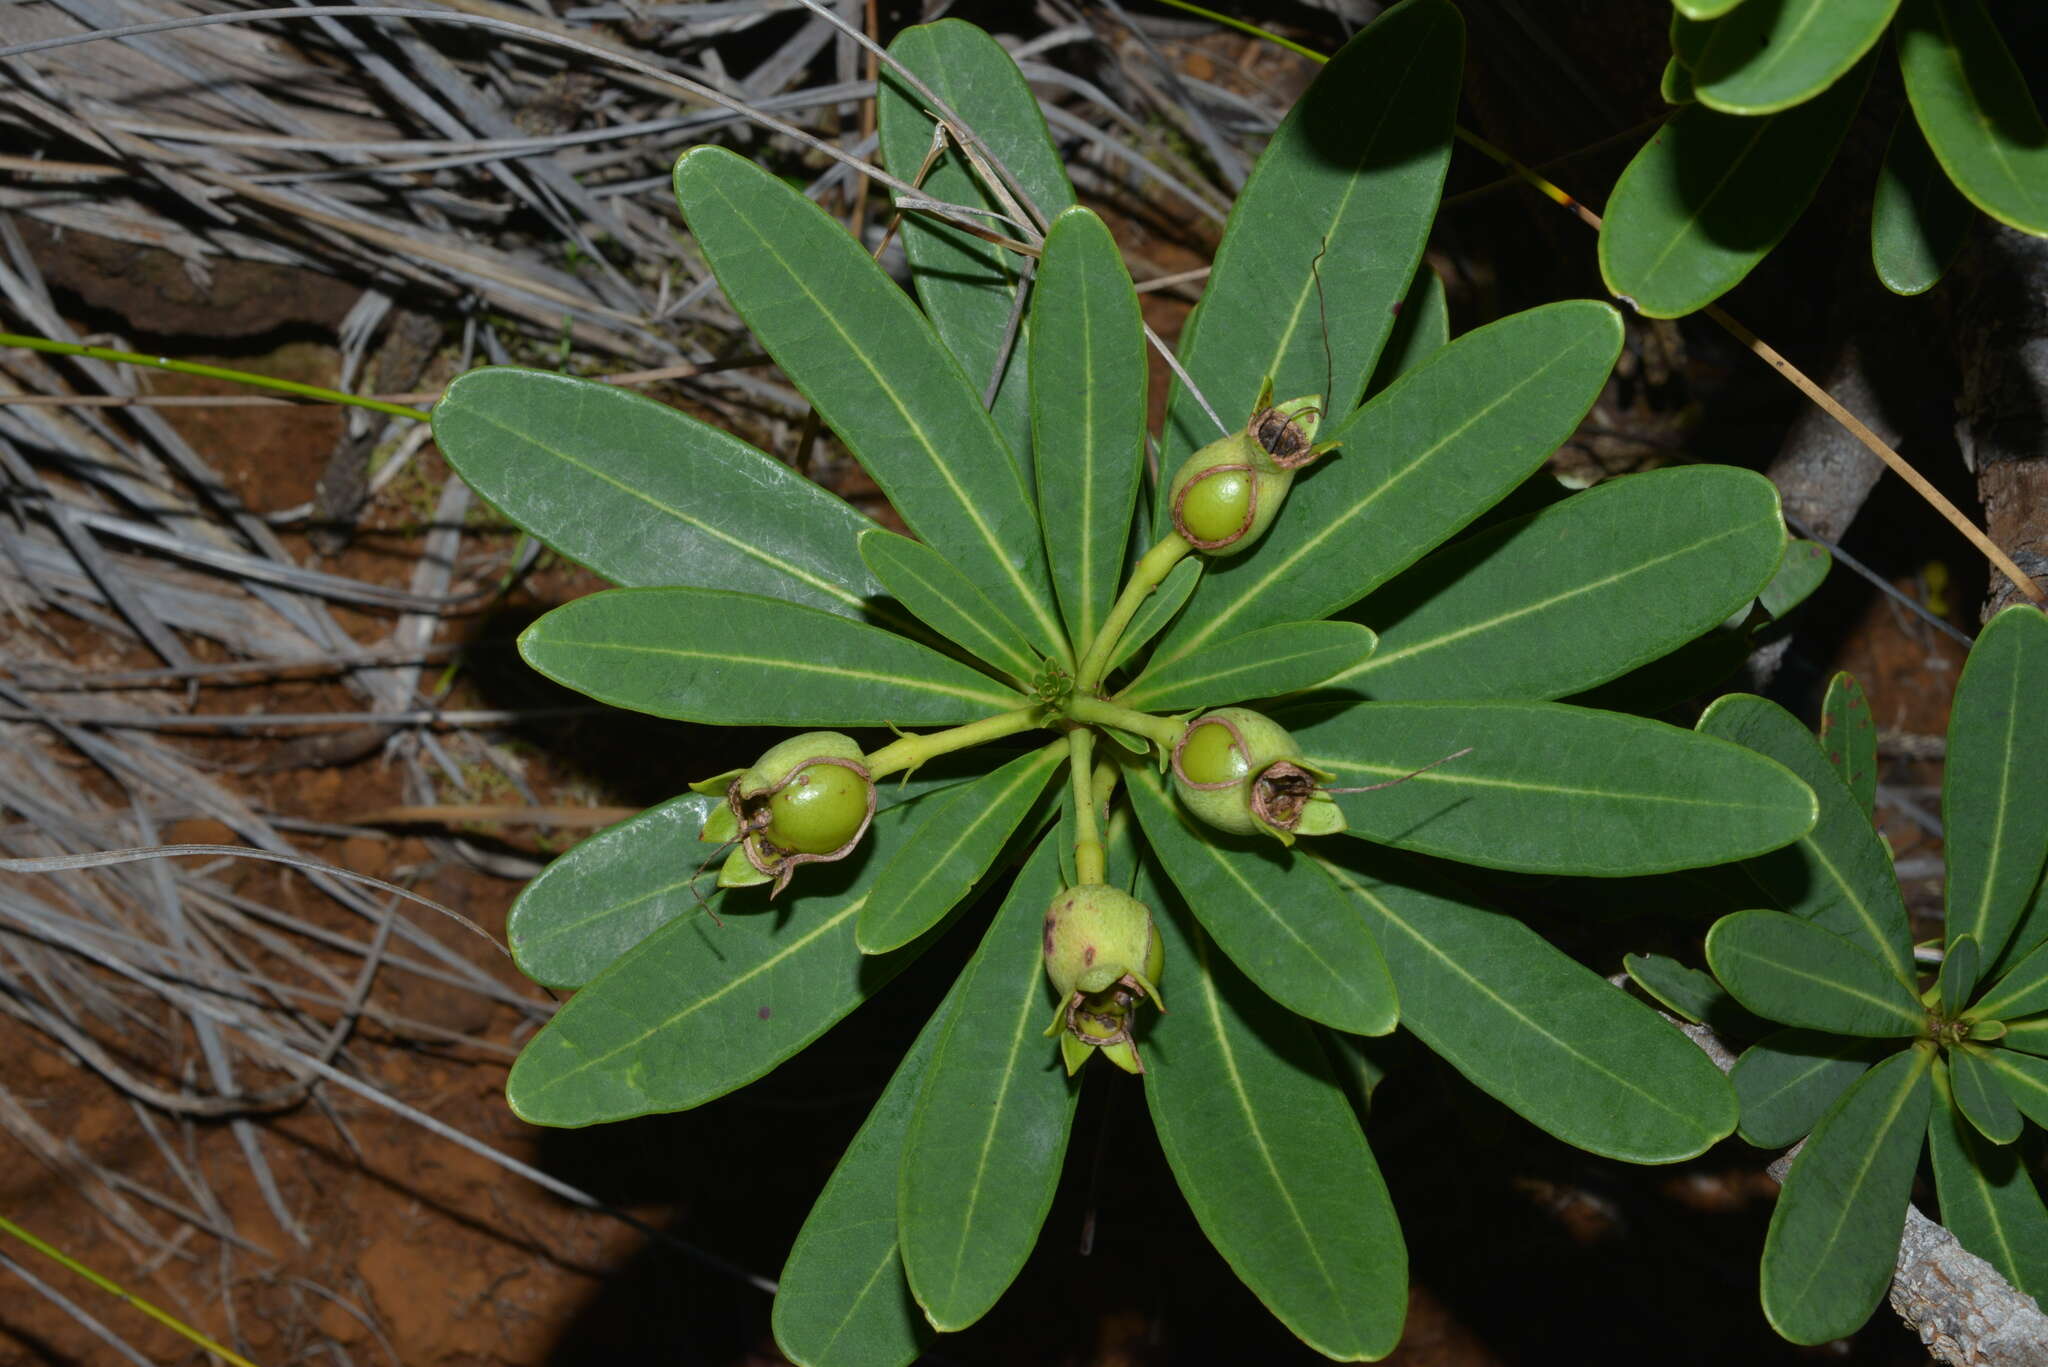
[
  {"x": 1161, "y": 731},
  {"x": 1145, "y": 577},
  {"x": 212, "y": 372},
  {"x": 1089, "y": 859},
  {"x": 907, "y": 752}
]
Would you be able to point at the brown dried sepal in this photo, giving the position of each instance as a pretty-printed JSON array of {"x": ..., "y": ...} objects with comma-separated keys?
[{"x": 1280, "y": 794}]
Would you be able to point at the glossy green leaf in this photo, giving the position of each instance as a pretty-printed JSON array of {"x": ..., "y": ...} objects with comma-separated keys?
[
  {"x": 1765, "y": 57},
  {"x": 1973, "y": 106},
  {"x": 2025, "y": 1079},
  {"x": 1786, "y": 1082},
  {"x": 1577, "y": 594},
  {"x": 1689, "y": 34},
  {"x": 612, "y": 891},
  {"x": 1273, "y": 914},
  {"x": 1958, "y": 975},
  {"x": 2029, "y": 1036},
  {"x": 1158, "y": 609},
  {"x": 1268, "y": 1152},
  {"x": 1704, "y": 9},
  {"x": 2032, "y": 931},
  {"x": 1087, "y": 413},
  {"x": 842, "y": 1300},
  {"x": 1848, "y": 737},
  {"x": 969, "y": 286},
  {"x": 648, "y": 496},
  {"x": 1674, "y": 87},
  {"x": 1344, "y": 193},
  {"x": 990, "y": 1127},
  {"x": 1421, "y": 328},
  {"x": 961, "y": 838},
  {"x": 697, "y": 1009},
  {"x": 941, "y": 597},
  {"x": 1839, "y": 874},
  {"x": 1988, "y": 1199},
  {"x": 732, "y": 659},
  {"x": 864, "y": 356},
  {"x": 1994, "y": 822},
  {"x": 1711, "y": 193},
  {"x": 2021, "y": 990},
  {"x": 1805, "y": 565},
  {"x": 1834, "y": 1236},
  {"x": 1529, "y": 1026},
  {"x": 1792, "y": 971},
  {"x": 1446, "y": 442},
  {"x": 1917, "y": 220},
  {"x": 1548, "y": 788},
  {"x": 1686, "y": 991},
  {"x": 1259, "y": 664},
  {"x": 1981, "y": 1095}
]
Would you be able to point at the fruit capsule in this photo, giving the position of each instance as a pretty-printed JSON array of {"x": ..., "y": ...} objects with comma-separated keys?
[
  {"x": 1242, "y": 773},
  {"x": 807, "y": 800}
]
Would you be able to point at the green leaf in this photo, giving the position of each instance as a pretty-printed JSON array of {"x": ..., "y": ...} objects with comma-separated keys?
[
  {"x": 1958, "y": 975},
  {"x": 2021, "y": 990},
  {"x": 1687, "y": 992},
  {"x": 1087, "y": 412},
  {"x": 942, "y": 598},
  {"x": 1548, "y": 788},
  {"x": 1527, "y": 1025},
  {"x": 1704, "y": 9},
  {"x": 1834, "y": 1237},
  {"x": 1577, "y": 594},
  {"x": 1711, "y": 193},
  {"x": 1259, "y": 664},
  {"x": 965, "y": 832},
  {"x": 1981, "y": 1095},
  {"x": 1343, "y": 194},
  {"x": 647, "y": 496},
  {"x": 1995, "y": 823},
  {"x": 1269, "y": 1153},
  {"x": 1917, "y": 220},
  {"x": 1848, "y": 737},
  {"x": 1838, "y": 875},
  {"x": 732, "y": 659},
  {"x": 2029, "y": 1036},
  {"x": 695, "y": 1009},
  {"x": 990, "y": 1128},
  {"x": 1805, "y": 565},
  {"x": 1973, "y": 106},
  {"x": 1674, "y": 87},
  {"x": 1762, "y": 58},
  {"x": 1988, "y": 1199},
  {"x": 860, "y": 351},
  {"x": 969, "y": 286},
  {"x": 1158, "y": 609},
  {"x": 612, "y": 891},
  {"x": 842, "y": 1300},
  {"x": 1273, "y": 914},
  {"x": 1792, "y": 971},
  {"x": 2025, "y": 1079},
  {"x": 1786, "y": 1082},
  {"x": 1446, "y": 442},
  {"x": 1422, "y": 325}
]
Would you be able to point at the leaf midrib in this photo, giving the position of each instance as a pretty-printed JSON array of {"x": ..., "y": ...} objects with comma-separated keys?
[
  {"x": 785, "y": 664},
  {"x": 1894, "y": 1008}
]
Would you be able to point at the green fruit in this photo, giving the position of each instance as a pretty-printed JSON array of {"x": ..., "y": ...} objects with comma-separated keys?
[
  {"x": 807, "y": 800},
  {"x": 1103, "y": 956},
  {"x": 1242, "y": 773},
  {"x": 1227, "y": 494},
  {"x": 819, "y": 808}
]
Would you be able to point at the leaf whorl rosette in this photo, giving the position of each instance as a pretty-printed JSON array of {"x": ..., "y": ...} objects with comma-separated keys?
[
  {"x": 1103, "y": 956},
  {"x": 1227, "y": 494},
  {"x": 1243, "y": 773},
  {"x": 807, "y": 800}
]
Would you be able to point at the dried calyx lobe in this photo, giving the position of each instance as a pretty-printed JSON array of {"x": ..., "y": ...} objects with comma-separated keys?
[
  {"x": 1243, "y": 773},
  {"x": 1226, "y": 494},
  {"x": 807, "y": 800},
  {"x": 1104, "y": 956}
]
